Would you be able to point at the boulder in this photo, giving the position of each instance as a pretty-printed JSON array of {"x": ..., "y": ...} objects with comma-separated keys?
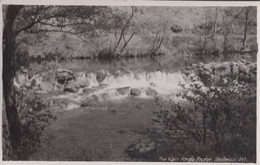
[
  {"x": 81, "y": 84},
  {"x": 252, "y": 66},
  {"x": 152, "y": 84},
  {"x": 122, "y": 72},
  {"x": 95, "y": 97},
  {"x": 135, "y": 92},
  {"x": 101, "y": 75},
  {"x": 46, "y": 86},
  {"x": 151, "y": 92},
  {"x": 64, "y": 75},
  {"x": 141, "y": 149},
  {"x": 222, "y": 69},
  {"x": 123, "y": 91},
  {"x": 89, "y": 101},
  {"x": 243, "y": 68},
  {"x": 88, "y": 91},
  {"x": 103, "y": 85},
  {"x": 71, "y": 88}
]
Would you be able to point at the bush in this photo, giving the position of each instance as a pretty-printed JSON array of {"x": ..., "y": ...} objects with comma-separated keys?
[
  {"x": 35, "y": 116},
  {"x": 210, "y": 121}
]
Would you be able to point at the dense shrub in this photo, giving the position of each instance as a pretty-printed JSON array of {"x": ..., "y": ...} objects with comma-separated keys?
[
  {"x": 209, "y": 122},
  {"x": 34, "y": 116}
]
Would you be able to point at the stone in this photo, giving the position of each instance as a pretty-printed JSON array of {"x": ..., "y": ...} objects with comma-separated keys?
[
  {"x": 89, "y": 101},
  {"x": 152, "y": 84},
  {"x": 103, "y": 85},
  {"x": 88, "y": 91},
  {"x": 64, "y": 75},
  {"x": 122, "y": 72},
  {"x": 60, "y": 70},
  {"x": 70, "y": 88},
  {"x": 151, "y": 92},
  {"x": 222, "y": 69},
  {"x": 46, "y": 86},
  {"x": 81, "y": 84},
  {"x": 135, "y": 92},
  {"x": 101, "y": 75},
  {"x": 243, "y": 69},
  {"x": 95, "y": 97},
  {"x": 123, "y": 90},
  {"x": 252, "y": 66}
]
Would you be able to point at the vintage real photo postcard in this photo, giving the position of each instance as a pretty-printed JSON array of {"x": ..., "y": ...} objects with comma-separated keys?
[{"x": 138, "y": 81}]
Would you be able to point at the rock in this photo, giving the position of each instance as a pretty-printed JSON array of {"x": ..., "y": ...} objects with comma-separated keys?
[
  {"x": 89, "y": 101},
  {"x": 243, "y": 69},
  {"x": 101, "y": 75},
  {"x": 88, "y": 91},
  {"x": 222, "y": 68},
  {"x": 64, "y": 75},
  {"x": 152, "y": 84},
  {"x": 151, "y": 92},
  {"x": 95, "y": 97},
  {"x": 46, "y": 86},
  {"x": 122, "y": 72},
  {"x": 123, "y": 91},
  {"x": 140, "y": 149},
  {"x": 61, "y": 70},
  {"x": 135, "y": 92},
  {"x": 103, "y": 85},
  {"x": 70, "y": 88},
  {"x": 81, "y": 84},
  {"x": 252, "y": 66}
]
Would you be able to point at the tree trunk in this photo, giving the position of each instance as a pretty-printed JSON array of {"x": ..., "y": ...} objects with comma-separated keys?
[{"x": 14, "y": 126}]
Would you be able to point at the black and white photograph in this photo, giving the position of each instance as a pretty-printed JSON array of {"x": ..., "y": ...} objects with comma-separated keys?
[{"x": 129, "y": 83}]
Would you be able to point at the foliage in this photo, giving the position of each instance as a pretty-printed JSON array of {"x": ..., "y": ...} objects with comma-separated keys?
[
  {"x": 210, "y": 121},
  {"x": 34, "y": 116},
  {"x": 117, "y": 30}
]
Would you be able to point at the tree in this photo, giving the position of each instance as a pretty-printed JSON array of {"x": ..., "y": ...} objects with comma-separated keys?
[
  {"x": 9, "y": 36},
  {"x": 21, "y": 19}
]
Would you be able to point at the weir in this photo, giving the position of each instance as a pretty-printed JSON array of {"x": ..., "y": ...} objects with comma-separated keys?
[{"x": 164, "y": 83}]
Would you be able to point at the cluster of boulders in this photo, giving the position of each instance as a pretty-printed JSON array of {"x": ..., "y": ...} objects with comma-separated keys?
[
  {"x": 66, "y": 80},
  {"x": 210, "y": 73}
]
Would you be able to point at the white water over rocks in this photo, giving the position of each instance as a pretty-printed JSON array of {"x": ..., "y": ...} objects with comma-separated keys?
[
  {"x": 118, "y": 86},
  {"x": 165, "y": 83}
]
